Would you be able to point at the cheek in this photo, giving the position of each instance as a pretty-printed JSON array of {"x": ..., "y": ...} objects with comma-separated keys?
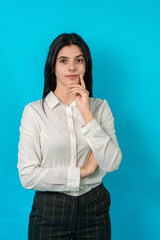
[
  {"x": 58, "y": 71},
  {"x": 83, "y": 70}
]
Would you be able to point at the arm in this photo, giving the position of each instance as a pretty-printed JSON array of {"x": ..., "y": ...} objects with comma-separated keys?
[
  {"x": 90, "y": 166},
  {"x": 31, "y": 172},
  {"x": 100, "y": 136},
  {"x": 102, "y": 140}
]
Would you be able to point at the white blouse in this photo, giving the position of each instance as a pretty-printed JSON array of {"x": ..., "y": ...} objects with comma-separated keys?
[{"x": 53, "y": 147}]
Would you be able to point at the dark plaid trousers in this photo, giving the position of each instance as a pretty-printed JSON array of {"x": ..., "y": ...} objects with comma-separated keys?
[{"x": 58, "y": 216}]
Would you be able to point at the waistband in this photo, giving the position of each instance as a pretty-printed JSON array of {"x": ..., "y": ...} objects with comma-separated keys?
[{"x": 88, "y": 197}]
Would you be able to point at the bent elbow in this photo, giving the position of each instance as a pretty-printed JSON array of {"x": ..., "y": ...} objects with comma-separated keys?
[
  {"x": 25, "y": 181},
  {"x": 116, "y": 161}
]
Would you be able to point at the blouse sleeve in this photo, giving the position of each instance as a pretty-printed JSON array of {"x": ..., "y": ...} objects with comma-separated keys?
[
  {"x": 31, "y": 172},
  {"x": 102, "y": 140}
]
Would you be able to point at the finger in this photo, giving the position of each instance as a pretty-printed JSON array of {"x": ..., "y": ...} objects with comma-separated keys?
[
  {"x": 75, "y": 86},
  {"x": 82, "y": 81},
  {"x": 77, "y": 91},
  {"x": 79, "y": 88}
]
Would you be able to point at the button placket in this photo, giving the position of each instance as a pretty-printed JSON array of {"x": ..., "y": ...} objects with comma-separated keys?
[{"x": 72, "y": 135}]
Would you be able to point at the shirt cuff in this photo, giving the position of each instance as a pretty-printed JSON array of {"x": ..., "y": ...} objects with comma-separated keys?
[
  {"x": 73, "y": 179},
  {"x": 92, "y": 127}
]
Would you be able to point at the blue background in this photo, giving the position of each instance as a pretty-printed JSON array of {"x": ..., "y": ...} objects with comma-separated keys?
[{"x": 124, "y": 39}]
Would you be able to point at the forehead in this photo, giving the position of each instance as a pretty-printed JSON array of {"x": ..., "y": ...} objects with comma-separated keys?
[{"x": 70, "y": 51}]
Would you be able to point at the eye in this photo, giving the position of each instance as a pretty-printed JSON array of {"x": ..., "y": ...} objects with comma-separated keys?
[
  {"x": 63, "y": 61},
  {"x": 80, "y": 60}
]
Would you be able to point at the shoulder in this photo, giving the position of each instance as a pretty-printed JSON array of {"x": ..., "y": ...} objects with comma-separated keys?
[
  {"x": 35, "y": 106},
  {"x": 32, "y": 110},
  {"x": 31, "y": 114},
  {"x": 98, "y": 103},
  {"x": 100, "y": 107}
]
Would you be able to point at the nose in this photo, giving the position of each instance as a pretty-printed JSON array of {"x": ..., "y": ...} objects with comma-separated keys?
[{"x": 72, "y": 66}]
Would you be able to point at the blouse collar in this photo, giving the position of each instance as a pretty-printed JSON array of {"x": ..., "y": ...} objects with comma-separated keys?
[{"x": 52, "y": 100}]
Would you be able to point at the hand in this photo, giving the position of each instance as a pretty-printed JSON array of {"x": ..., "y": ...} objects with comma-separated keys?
[
  {"x": 90, "y": 166},
  {"x": 81, "y": 98}
]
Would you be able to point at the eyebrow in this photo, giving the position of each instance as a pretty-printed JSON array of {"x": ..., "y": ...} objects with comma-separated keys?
[{"x": 68, "y": 57}]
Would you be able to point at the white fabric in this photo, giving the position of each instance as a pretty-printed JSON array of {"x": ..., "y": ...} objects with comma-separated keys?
[{"x": 53, "y": 147}]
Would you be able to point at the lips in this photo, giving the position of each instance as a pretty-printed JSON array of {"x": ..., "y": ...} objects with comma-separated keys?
[{"x": 71, "y": 76}]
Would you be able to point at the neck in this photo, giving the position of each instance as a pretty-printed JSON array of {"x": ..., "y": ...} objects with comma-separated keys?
[{"x": 62, "y": 93}]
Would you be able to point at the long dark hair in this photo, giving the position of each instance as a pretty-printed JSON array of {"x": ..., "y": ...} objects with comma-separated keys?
[{"x": 62, "y": 40}]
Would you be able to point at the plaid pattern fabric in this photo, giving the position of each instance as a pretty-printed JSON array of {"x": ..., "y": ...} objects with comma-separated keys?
[{"x": 57, "y": 216}]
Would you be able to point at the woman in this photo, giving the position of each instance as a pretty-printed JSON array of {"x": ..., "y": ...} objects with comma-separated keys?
[{"x": 67, "y": 144}]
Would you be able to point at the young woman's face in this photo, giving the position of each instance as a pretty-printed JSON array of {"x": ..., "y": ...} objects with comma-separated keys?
[{"x": 70, "y": 63}]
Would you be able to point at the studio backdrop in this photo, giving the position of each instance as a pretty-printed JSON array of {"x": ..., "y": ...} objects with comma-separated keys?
[{"x": 124, "y": 39}]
